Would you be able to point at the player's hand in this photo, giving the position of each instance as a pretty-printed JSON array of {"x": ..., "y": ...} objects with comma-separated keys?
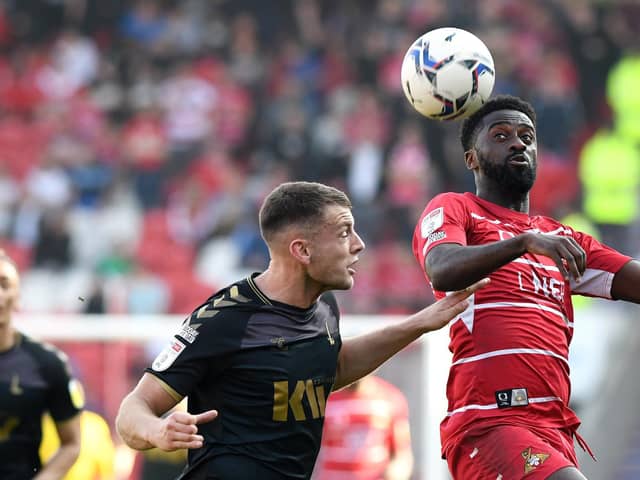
[
  {"x": 446, "y": 309},
  {"x": 179, "y": 430},
  {"x": 566, "y": 253}
]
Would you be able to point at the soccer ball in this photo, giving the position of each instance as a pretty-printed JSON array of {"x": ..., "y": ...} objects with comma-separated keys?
[{"x": 447, "y": 73}]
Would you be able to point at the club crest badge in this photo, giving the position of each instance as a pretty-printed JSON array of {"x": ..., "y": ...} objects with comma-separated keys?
[{"x": 533, "y": 460}]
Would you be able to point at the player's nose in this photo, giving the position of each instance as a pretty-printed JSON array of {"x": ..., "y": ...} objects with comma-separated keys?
[
  {"x": 358, "y": 244},
  {"x": 517, "y": 144}
]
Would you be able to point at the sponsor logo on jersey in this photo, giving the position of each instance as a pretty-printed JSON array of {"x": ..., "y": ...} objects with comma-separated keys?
[
  {"x": 436, "y": 236},
  {"x": 431, "y": 222},
  {"x": 533, "y": 460},
  {"x": 307, "y": 400},
  {"x": 278, "y": 341},
  {"x": 188, "y": 333},
  {"x": 167, "y": 356},
  {"x": 515, "y": 397}
]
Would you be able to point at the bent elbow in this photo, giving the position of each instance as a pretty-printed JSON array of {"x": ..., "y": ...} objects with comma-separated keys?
[
  {"x": 439, "y": 284},
  {"x": 446, "y": 280},
  {"x": 439, "y": 278}
]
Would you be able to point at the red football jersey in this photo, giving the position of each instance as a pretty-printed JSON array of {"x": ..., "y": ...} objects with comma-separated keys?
[
  {"x": 362, "y": 428},
  {"x": 511, "y": 346}
]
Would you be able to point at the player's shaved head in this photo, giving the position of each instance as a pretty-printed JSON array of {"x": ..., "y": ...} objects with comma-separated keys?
[{"x": 298, "y": 204}]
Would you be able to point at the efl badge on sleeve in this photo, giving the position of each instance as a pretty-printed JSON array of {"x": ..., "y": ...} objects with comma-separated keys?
[
  {"x": 167, "y": 356},
  {"x": 431, "y": 222}
]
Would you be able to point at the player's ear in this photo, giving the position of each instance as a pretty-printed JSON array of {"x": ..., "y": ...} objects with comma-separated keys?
[
  {"x": 299, "y": 249},
  {"x": 471, "y": 159}
]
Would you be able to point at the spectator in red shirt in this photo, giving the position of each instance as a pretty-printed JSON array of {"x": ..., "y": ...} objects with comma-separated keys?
[{"x": 366, "y": 434}]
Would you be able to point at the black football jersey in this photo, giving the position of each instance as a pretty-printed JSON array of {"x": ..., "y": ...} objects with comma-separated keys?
[
  {"x": 34, "y": 378},
  {"x": 267, "y": 368}
]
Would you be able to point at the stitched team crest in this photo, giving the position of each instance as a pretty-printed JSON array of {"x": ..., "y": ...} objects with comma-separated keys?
[{"x": 533, "y": 460}]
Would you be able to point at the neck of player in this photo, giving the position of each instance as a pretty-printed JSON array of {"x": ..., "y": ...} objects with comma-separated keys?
[
  {"x": 282, "y": 285},
  {"x": 517, "y": 202},
  {"x": 7, "y": 336}
]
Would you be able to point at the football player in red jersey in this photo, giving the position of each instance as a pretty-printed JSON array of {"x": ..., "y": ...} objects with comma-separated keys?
[{"x": 508, "y": 391}]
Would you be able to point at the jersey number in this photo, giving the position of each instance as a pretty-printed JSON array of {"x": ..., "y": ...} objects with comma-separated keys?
[{"x": 282, "y": 401}]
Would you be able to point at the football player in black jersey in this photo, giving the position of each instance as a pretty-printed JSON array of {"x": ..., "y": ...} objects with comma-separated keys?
[
  {"x": 34, "y": 378},
  {"x": 262, "y": 355}
]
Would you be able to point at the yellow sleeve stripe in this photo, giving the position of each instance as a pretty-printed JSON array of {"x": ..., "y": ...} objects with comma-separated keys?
[{"x": 175, "y": 395}]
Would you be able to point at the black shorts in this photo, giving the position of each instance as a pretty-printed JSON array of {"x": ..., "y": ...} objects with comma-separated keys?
[{"x": 231, "y": 467}]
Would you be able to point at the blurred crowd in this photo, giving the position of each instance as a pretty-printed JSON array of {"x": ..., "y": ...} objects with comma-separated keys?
[{"x": 139, "y": 137}]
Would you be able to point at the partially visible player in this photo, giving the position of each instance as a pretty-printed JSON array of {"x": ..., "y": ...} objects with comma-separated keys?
[
  {"x": 366, "y": 434},
  {"x": 97, "y": 452},
  {"x": 34, "y": 378},
  {"x": 508, "y": 387},
  {"x": 263, "y": 354}
]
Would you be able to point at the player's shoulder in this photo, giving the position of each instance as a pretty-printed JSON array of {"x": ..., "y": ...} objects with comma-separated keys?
[
  {"x": 233, "y": 301},
  {"x": 43, "y": 352},
  {"x": 380, "y": 384},
  {"x": 449, "y": 203},
  {"x": 384, "y": 389},
  {"x": 450, "y": 198},
  {"x": 442, "y": 206}
]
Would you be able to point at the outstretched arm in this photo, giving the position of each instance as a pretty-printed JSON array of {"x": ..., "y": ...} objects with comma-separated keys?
[
  {"x": 626, "y": 283},
  {"x": 141, "y": 425},
  {"x": 452, "y": 267},
  {"x": 362, "y": 354}
]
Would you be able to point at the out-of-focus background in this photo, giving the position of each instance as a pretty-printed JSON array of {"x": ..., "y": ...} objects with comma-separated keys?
[{"x": 138, "y": 139}]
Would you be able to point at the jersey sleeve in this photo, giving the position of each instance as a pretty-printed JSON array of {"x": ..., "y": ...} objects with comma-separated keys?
[
  {"x": 444, "y": 220},
  {"x": 199, "y": 348},
  {"x": 603, "y": 263},
  {"x": 65, "y": 397}
]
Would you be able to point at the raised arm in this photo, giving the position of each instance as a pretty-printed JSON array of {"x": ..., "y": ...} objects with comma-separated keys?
[
  {"x": 452, "y": 267},
  {"x": 141, "y": 425},
  {"x": 626, "y": 283},
  {"x": 362, "y": 354}
]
